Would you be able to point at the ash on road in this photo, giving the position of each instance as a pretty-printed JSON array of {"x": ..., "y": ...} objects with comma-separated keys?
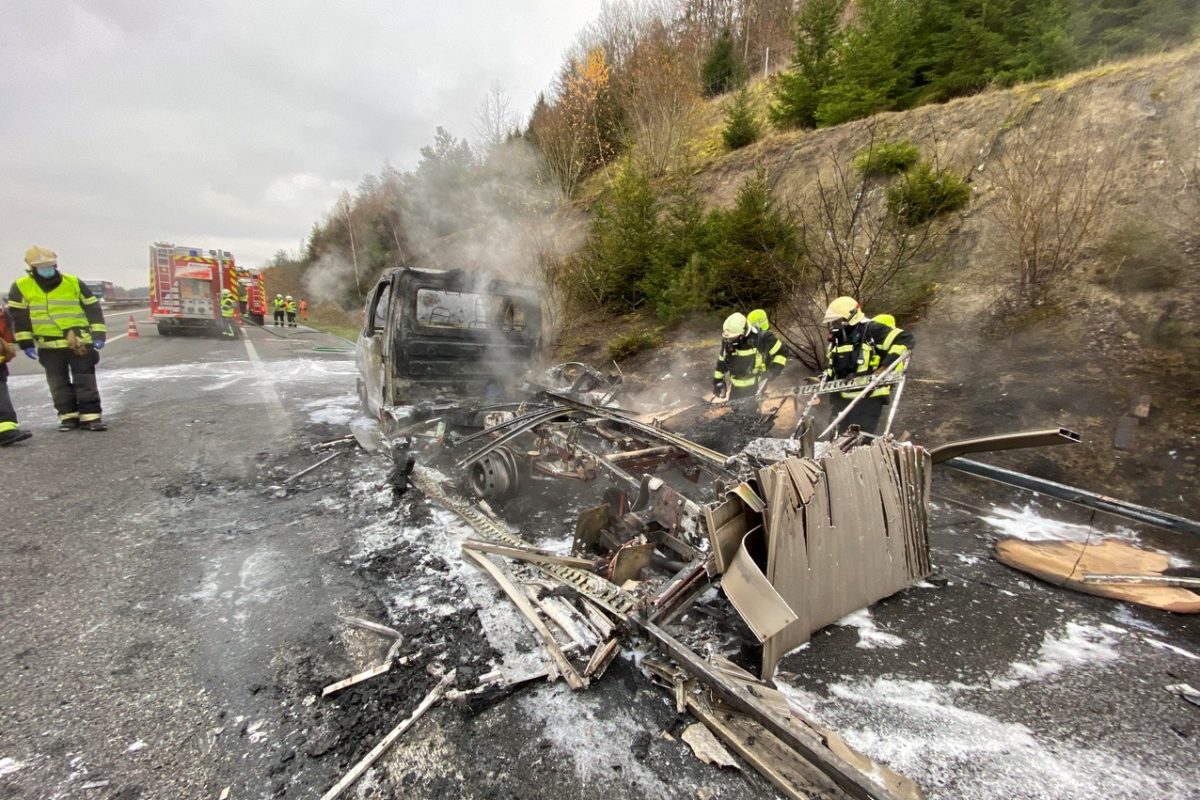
[{"x": 168, "y": 618}]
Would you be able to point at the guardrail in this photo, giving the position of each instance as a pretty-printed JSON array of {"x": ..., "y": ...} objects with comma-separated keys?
[{"x": 125, "y": 303}]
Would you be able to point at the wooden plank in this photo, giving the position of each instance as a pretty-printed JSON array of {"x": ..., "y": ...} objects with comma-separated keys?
[
  {"x": 530, "y": 554},
  {"x": 603, "y": 656},
  {"x": 1065, "y": 564},
  {"x": 565, "y": 617},
  {"x": 378, "y": 669},
  {"x": 505, "y": 582}
]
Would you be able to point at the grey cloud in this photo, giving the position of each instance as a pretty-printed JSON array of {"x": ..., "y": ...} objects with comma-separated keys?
[{"x": 236, "y": 124}]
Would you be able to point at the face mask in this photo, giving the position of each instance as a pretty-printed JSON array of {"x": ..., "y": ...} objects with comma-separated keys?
[{"x": 47, "y": 272}]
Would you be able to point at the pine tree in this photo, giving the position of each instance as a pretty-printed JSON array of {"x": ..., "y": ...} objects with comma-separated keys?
[
  {"x": 722, "y": 70},
  {"x": 622, "y": 241},
  {"x": 816, "y": 39},
  {"x": 741, "y": 126}
]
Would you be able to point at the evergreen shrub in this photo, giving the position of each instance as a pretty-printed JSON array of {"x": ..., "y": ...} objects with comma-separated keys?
[
  {"x": 886, "y": 158},
  {"x": 926, "y": 192}
]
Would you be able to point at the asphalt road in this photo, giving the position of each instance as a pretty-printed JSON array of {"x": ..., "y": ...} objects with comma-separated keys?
[
  {"x": 150, "y": 576},
  {"x": 167, "y": 618}
]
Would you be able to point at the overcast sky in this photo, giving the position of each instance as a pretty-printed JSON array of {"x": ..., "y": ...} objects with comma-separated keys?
[{"x": 236, "y": 123}]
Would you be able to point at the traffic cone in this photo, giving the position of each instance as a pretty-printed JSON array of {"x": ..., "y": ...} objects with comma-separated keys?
[{"x": 133, "y": 334}]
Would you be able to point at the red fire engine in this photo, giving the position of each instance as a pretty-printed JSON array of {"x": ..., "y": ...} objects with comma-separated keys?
[{"x": 186, "y": 285}]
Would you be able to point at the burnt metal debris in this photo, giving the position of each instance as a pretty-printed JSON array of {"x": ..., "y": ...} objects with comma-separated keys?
[
  {"x": 797, "y": 532},
  {"x": 795, "y": 542}
]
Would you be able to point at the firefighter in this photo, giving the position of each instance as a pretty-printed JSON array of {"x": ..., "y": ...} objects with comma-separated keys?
[
  {"x": 58, "y": 321},
  {"x": 243, "y": 299},
  {"x": 749, "y": 357},
  {"x": 228, "y": 307},
  {"x": 859, "y": 346},
  {"x": 279, "y": 304},
  {"x": 303, "y": 309},
  {"x": 290, "y": 307},
  {"x": 10, "y": 434}
]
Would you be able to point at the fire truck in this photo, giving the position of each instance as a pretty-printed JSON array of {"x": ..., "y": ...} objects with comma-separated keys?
[
  {"x": 251, "y": 294},
  {"x": 186, "y": 285}
]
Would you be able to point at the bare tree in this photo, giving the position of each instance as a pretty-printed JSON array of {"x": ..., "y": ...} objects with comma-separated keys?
[
  {"x": 658, "y": 92},
  {"x": 851, "y": 246},
  {"x": 346, "y": 206},
  {"x": 494, "y": 119},
  {"x": 1052, "y": 182}
]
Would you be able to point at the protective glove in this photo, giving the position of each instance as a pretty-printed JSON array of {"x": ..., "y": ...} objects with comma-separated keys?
[
  {"x": 719, "y": 388},
  {"x": 98, "y": 342},
  {"x": 30, "y": 351}
]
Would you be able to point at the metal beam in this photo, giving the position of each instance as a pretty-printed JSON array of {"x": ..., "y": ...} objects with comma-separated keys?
[
  {"x": 1082, "y": 497},
  {"x": 841, "y": 772},
  {"x": 1004, "y": 441}
]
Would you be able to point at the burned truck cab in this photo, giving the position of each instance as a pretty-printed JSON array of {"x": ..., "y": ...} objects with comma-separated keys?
[{"x": 429, "y": 334}]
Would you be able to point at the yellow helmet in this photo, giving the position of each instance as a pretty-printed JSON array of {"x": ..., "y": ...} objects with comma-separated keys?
[
  {"x": 886, "y": 319},
  {"x": 758, "y": 318},
  {"x": 846, "y": 308},
  {"x": 735, "y": 325},
  {"x": 40, "y": 257}
]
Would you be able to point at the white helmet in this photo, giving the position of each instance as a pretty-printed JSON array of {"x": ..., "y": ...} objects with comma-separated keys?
[
  {"x": 289, "y": 297},
  {"x": 735, "y": 325}
]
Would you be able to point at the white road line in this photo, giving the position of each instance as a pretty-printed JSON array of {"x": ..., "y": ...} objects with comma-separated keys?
[
  {"x": 275, "y": 411},
  {"x": 112, "y": 339}
]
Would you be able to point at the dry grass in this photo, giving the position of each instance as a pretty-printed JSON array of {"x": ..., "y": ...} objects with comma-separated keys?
[{"x": 332, "y": 319}]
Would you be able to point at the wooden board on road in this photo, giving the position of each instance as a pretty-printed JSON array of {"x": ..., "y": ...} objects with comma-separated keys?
[{"x": 1067, "y": 563}]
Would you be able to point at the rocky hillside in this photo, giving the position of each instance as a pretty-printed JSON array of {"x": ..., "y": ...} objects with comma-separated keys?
[{"x": 1095, "y": 175}]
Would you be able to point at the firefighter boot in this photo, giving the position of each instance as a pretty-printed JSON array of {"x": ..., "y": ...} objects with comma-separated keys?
[{"x": 12, "y": 436}]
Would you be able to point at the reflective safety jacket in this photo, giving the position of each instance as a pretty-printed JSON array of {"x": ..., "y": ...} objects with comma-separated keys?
[
  {"x": 45, "y": 309},
  {"x": 228, "y": 306},
  {"x": 290, "y": 306},
  {"x": 280, "y": 303},
  {"x": 862, "y": 349},
  {"x": 747, "y": 360}
]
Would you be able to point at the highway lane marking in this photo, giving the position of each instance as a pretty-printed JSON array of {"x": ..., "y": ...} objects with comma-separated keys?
[
  {"x": 111, "y": 339},
  {"x": 275, "y": 410}
]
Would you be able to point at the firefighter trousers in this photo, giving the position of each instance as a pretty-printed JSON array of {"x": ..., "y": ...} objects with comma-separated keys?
[
  {"x": 291, "y": 318},
  {"x": 72, "y": 381},
  {"x": 8, "y": 414},
  {"x": 865, "y": 415},
  {"x": 279, "y": 316}
]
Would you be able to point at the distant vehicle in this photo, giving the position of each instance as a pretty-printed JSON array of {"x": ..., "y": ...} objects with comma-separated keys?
[
  {"x": 185, "y": 288},
  {"x": 107, "y": 290},
  {"x": 429, "y": 332}
]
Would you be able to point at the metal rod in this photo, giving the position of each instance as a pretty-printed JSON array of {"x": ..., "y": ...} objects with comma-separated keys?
[
  {"x": 870, "y": 387},
  {"x": 894, "y": 401},
  {"x": 1082, "y": 497},
  {"x": 304, "y": 472},
  {"x": 1150, "y": 580}
]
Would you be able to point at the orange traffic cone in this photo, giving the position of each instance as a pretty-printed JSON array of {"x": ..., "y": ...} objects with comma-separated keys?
[{"x": 133, "y": 334}]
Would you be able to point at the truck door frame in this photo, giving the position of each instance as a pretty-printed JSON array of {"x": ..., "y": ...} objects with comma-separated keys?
[{"x": 375, "y": 352}]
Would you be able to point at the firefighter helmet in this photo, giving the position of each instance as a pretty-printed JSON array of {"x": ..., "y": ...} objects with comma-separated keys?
[
  {"x": 40, "y": 257},
  {"x": 735, "y": 326},
  {"x": 846, "y": 308},
  {"x": 758, "y": 318},
  {"x": 278, "y": 297},
  {"x": 289, "y": 297},
  {"x": 886, "y": 319}
]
